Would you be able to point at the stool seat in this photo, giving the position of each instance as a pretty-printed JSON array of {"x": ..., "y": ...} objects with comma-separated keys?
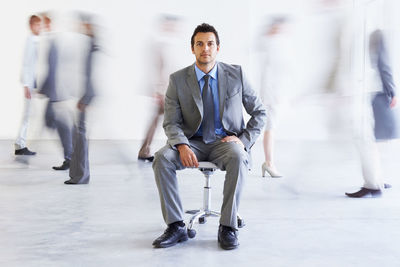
[
  {"x": 207, "y": 168},
  {"x": 207, "y": 165}
]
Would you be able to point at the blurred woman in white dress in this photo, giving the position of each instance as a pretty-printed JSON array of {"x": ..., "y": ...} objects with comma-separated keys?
[{"x": 275, "y": 81}]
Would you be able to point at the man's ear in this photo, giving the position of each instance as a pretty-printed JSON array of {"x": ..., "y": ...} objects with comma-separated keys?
[
  {"x": 192, "y": 49},
  {"x": 217, "y": 48}
]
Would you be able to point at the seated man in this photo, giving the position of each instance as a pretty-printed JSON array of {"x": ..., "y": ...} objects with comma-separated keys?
[{"x": 204, "y": 122}]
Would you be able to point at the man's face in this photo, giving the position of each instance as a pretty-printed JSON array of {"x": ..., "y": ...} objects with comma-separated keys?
[
  {"x": 205, "y": 48},
  {"x": 36, "y": 27}
]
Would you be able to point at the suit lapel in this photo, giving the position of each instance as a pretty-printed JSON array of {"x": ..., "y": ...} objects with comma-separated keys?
[
  {"x": 195, "y": 89},
  {"x": 222, "y": 88}
]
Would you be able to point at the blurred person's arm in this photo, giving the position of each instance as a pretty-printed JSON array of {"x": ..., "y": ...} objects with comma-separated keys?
[
  {"x": 385, "y": 72},
  {"x": 89, "y": 93},
  {"x": 28, "y": 66},
  {"x": 27, "y": 92}
]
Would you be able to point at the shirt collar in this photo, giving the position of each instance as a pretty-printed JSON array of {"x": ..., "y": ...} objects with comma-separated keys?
[
  {"x": 35, "y": 38},
  {"x": 200, "y": 74}
]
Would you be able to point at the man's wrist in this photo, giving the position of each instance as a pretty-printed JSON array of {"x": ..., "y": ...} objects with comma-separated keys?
[{"x": 181, "y": 146}]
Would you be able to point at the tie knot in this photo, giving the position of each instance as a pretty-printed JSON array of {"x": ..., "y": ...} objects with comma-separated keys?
[{"x": 206, "y": 77}]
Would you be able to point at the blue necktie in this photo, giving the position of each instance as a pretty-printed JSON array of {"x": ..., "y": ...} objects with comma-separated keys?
[{"x": 208, "y": 113}]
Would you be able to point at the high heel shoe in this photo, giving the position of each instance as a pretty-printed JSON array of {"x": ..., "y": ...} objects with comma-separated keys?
[{"x": 271, "y": 171}]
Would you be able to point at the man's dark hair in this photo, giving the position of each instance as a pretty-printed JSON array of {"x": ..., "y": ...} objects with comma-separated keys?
[{"x": 204, "y": 27}]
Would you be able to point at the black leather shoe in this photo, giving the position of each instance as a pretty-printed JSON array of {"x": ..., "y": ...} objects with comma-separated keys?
[
  {"x": 365, "y": 192},
  {"x": 64, "y": 166},
  {"x": 150, "y": 159},
  {"x": 69, "y": 182},
  {"x": 171, "y": 236},
  {"x": 227, "y": 237},
  {"x": 24, "y": 151}
]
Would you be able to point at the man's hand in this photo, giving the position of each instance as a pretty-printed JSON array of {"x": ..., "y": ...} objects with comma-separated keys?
[
  {"x": 81, "y": 106},
  {"x": 393, "y": 102},
  {"x": 188, "y": 158},
  {"x": 27, "y": 92},
  {"x": 234, "y": 139}
]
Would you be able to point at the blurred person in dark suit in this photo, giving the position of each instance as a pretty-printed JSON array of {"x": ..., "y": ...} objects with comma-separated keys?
[
  {"x": 79, "y": 171},
  {"x": 65, "y": 81}
]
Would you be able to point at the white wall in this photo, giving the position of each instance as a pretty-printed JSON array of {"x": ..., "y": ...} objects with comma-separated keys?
[{"x": 123, "y": 107}]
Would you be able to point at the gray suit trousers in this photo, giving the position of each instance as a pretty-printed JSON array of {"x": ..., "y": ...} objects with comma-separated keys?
[
  {"x": 60, "y": 116},
  {"x": 79, "y": 167},
  {"x": 227, "y": 156}
]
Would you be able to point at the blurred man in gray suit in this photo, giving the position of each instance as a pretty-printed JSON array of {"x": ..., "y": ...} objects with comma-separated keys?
[
  {"x": 58, "y": 114},
  {"x": 204, "y": 122},
  {"x": 69, "y": 63},
  {"x": 79, "y": 171}
]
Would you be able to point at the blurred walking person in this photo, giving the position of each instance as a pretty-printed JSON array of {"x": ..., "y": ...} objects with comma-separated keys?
[
  {"x": 379, "y": 118},
  {"x": 63, "y": 83},
  {"x": 29, "y": 80},
  {"x": 165, "y": 47},
  {"x": 275, "y": 83},
  {"x": 79, "y": 171}
]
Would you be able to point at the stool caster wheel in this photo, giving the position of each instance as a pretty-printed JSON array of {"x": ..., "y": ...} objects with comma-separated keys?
[
  {"x": 202, "y": 220},
  {"x": 191, "y": 233},
  {"x": 241, "y": 223}
]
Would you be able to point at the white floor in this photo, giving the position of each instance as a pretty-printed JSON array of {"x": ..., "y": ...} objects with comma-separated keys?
[{"x": 303, "y": 219}]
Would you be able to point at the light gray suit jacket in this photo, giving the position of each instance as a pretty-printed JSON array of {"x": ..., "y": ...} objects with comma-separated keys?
[{"x": 184, "y": 106}]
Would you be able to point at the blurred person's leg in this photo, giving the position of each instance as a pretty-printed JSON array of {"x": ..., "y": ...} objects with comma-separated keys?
[
  {"x": 369, "y": 156},
  {"x": 63, "y": 114},
  {"x": 268, "y": 144},
  {"x": 79, "y": 171},
  {"x": 20, "y": 142},
  {"x": 144, "y": 152},
  {"x": 370, "y": 165}
]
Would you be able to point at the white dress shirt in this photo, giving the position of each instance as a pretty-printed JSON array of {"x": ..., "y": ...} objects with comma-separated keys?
[{"x": 29, "y": 65}]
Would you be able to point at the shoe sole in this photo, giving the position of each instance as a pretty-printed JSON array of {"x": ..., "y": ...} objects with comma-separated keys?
[{"x": 369, "y": 195}]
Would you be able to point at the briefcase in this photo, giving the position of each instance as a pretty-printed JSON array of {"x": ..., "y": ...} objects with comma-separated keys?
[{"x": 386, "y": 118}]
